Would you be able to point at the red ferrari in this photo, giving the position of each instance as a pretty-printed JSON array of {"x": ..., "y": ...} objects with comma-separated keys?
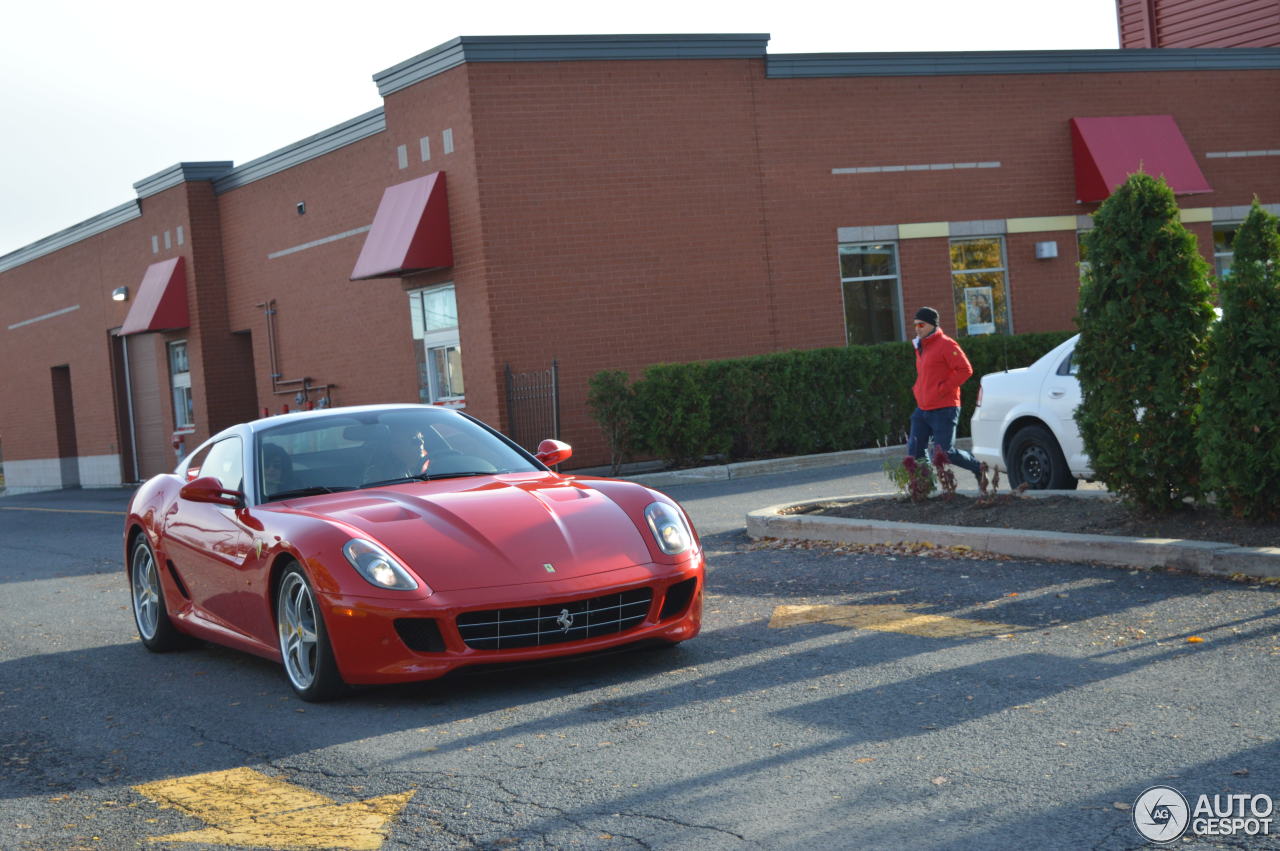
[{"x": 390, "y": 543}]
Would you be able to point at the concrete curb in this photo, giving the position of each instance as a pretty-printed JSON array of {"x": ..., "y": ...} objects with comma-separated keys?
[
  {"x": 744, "y": 469},
  {"x": 1203, "y": 557}
]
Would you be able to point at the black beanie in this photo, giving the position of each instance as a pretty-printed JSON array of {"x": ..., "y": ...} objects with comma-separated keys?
[{"x": 927, "y": 314}]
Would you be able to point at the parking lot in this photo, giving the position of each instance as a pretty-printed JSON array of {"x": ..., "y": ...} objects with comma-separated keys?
[{"x": 835, "y": 698}]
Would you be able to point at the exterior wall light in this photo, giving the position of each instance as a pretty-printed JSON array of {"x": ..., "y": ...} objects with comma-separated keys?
[{"x": 120, "y": 294}]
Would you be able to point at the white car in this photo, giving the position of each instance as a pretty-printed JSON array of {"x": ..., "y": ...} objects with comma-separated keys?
[{"x": 1025, "y": 423}]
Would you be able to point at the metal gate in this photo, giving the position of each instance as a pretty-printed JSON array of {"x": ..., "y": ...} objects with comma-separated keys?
[{"x": 533, "y": 405}]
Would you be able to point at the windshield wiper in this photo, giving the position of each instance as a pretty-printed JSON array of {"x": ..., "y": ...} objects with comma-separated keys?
[
  {"x": 426, "y": 477},
  {"x": 311, "y": 491},
  {"x": 398, "y": 480}
]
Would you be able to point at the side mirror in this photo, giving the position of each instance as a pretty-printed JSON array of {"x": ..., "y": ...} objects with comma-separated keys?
[
  {"x": 553, "y": 452},
  {"x": 209, "y": 489}
]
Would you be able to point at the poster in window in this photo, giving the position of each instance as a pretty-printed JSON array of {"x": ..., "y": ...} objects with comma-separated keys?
[{"x": 979, "y": 312}]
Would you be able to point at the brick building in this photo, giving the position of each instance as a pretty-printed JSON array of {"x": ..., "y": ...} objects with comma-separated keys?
[
  {"x": 1199, "y": 23},
  {"x": 603, "y": 202}
]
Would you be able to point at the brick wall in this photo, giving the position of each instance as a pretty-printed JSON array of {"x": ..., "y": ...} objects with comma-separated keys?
[
  {"x": 612, "y": 215},
  {"x": 82, "y": 274}
]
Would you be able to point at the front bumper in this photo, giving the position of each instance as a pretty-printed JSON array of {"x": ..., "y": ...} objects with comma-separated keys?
[{"x": 370, "y": 650}]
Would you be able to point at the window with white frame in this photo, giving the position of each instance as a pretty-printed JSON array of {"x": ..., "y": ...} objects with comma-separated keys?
[
  {"x": 1224, "y": 249},
  {"x": 433, "y": 312},
  {"x": 979, "y": 285},
  {"x": 180, "y": 382},
  {"x": 872, "y": 292}
]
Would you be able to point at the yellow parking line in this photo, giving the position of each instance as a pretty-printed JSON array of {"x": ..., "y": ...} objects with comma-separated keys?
[
  {"x": 60, "y": 510},
  {"x": 246, "y": 808},
  {"x": 889, "y": 617}
]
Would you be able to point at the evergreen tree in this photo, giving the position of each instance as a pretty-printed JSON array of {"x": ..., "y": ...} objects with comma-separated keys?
[
  {"x": 1240, "y": 424},
  {"x": 1144, "y": 318}
]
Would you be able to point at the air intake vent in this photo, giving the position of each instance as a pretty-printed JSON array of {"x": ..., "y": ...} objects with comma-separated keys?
[
  {"x": 421, "y": 635},
  {"x": 677, "y": 600}
]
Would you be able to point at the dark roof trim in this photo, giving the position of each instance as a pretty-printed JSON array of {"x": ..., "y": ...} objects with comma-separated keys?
[
  {"x": 89, "y": 227},
  {"x": 180, "y": 173},
  {"x": 325, "y": 141},
  {"x": 1021, "y": 62},
  {"x": 566, "y": 48}
]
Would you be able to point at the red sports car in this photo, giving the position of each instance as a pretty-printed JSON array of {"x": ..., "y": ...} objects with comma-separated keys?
[{"x": 389, "y": 543}]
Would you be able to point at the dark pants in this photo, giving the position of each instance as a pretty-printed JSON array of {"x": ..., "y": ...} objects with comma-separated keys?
[{"x": 940, "y": 424}]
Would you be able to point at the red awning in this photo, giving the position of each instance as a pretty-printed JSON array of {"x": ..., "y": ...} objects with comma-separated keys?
[
  {"x": 1108, "y": 150},
  {"x": 410, "y": 231},
  {"x": 161, "y": 303}
]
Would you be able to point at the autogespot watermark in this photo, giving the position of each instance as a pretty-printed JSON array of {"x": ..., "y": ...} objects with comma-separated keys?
[{"x": 1162, "y": 814}]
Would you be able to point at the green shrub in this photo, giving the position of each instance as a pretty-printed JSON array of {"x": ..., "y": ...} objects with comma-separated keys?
[
  {"x": 1144, "y": 320},
  {"x": 1240, "y": 426},
  {"x": 612, "y": 403},
  {"x": 674, "y": 414},
  {"x": 790, "y": 403}
]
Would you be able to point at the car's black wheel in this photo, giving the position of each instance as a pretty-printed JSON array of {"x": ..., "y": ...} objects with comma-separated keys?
[
  {"x": 304, "y": 641},
  {"x": 150, "y": 614},
  {"x": 1036, "y": 460}
]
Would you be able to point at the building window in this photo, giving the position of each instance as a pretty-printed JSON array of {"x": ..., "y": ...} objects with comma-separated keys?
[
  {"x": 180, "y": 380},
  {"x": 1224, "y": 248},
  {"x": 979, "y": 286},
  {"x": 434, "y": 314},
  {"x": 872, "y": 295}
]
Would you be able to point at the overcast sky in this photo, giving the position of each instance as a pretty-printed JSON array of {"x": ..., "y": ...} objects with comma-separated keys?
[{"x": 96, "y": 96}]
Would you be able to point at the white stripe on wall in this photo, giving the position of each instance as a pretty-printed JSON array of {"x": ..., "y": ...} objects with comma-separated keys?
[{"x": 44, "y": 317}]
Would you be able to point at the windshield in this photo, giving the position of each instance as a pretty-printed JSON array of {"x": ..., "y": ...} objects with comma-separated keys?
[{"x": 346, "y": 451}]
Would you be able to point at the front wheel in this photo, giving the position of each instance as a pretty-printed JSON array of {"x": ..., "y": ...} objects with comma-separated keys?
[
  {"x": 150, "y": 614},
  {"x": 1036, "y": 460},
  {"x": 304, "y": 641}
]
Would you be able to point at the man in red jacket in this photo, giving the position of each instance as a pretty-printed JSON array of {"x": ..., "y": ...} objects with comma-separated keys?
[{"x": 941, "y": 367}]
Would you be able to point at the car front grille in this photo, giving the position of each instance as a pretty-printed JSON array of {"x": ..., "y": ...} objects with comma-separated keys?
[{"x": 556, "y": 623}]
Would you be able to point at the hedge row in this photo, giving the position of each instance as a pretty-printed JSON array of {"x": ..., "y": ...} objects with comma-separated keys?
[{"x": 785, "y": 403}]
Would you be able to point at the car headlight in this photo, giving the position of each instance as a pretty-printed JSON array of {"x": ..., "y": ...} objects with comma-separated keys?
[
  {"x": 669, "y": 528},
  {"x": 377, "y": 565}
]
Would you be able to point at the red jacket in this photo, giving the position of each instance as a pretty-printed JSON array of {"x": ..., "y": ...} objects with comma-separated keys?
[{"x": 941, "y": 367}]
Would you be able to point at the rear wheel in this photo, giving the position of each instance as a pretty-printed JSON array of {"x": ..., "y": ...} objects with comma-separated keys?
[
  {"x": 304, "y": 642},
  {"x": 1035, "y": 459},
  {"x": 150, "y": 614}
]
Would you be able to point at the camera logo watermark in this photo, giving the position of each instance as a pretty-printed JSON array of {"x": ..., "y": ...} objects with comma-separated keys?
[{"x": 1161, "y": 814}]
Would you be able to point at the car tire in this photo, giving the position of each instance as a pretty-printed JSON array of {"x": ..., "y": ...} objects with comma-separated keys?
[
  {"x": 1036, "y": 460},
  {"x": 150, "y": 614},
  {"x": 309, "y": 664}
]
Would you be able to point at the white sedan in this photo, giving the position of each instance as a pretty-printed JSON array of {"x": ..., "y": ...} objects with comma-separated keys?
[{"x": 1025, "y": 423}]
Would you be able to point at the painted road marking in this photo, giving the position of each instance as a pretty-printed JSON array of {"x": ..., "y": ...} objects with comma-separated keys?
[
  {"x": 248, "y": 809},
  {"x": 61, "y": 510},
  {"x": 889, "y": 617}
]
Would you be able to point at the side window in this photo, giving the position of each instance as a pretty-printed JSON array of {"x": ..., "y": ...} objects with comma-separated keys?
[
  {"x": 433, "y": 313},
  {"x": 180, "y": 382},
  {"x": 872, "y": 295},
  {"x": 197, "y": 463},
  {"x": 226, "y": 461},
  {"x": 1224, "y": 249},
  {"x": 978, "y": 279}
]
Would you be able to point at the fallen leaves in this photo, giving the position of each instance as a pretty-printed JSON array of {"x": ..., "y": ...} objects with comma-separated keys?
[{"x": 919, "y": 549}]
